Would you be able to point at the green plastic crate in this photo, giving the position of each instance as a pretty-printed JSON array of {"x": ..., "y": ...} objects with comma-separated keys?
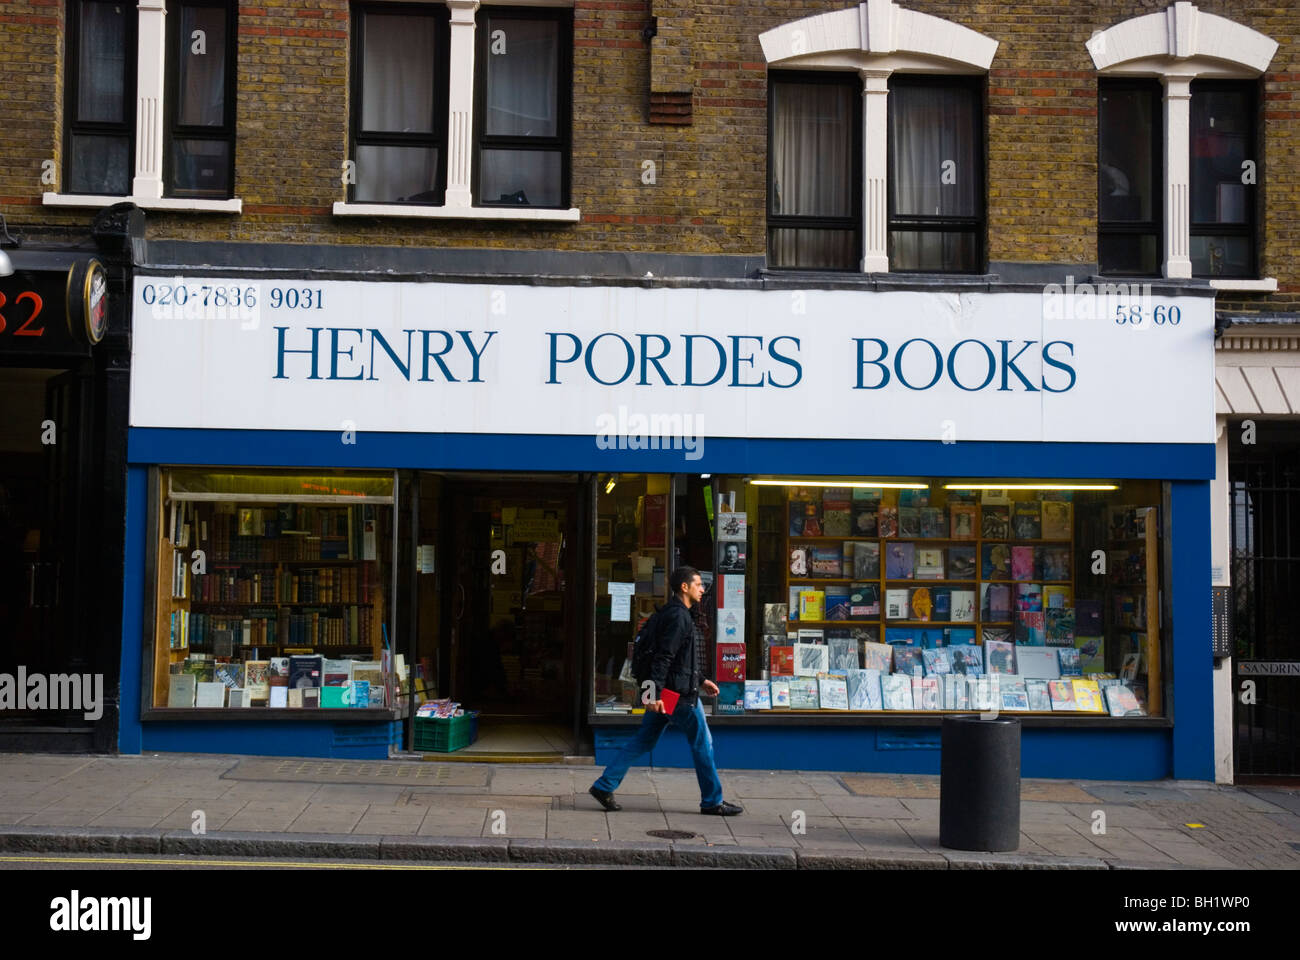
[{"x": 444, "y": 734}]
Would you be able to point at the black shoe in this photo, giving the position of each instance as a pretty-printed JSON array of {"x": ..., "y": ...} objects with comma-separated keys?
[
  {"x": 606, "y": 800},
  {"x": 723, "y": 809}
]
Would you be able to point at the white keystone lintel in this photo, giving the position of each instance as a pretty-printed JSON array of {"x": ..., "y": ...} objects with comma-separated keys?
[
  {"x": 1181, "y": 39},
  {"x": 873, "y": 34}
]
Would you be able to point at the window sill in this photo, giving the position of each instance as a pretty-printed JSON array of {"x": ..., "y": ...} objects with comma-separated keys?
[
  {"x": 1266, "y": 285},
  {"x": 417, "y": 211},
  {"x": 181, "y": 204}
]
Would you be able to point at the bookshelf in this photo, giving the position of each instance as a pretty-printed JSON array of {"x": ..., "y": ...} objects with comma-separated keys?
[
  {"x": 268, "y": 580},
  {"x": 1132, "y": 604},
  {"x": 991, "y": 562}
]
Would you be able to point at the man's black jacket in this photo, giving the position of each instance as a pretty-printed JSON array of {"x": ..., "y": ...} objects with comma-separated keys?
[{"x": 674, "y": 664}]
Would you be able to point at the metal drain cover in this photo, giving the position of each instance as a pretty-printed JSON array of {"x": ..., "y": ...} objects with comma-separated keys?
[
  {"x": 670, "y": 834},
  {"x": 1294, "y": 846}
]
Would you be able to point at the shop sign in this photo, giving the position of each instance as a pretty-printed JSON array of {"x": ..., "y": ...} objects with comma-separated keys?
[
  {"x": 1268, "y": 668},
  {"x": 478, "y": 358},
  {"x": 539, "y": 530},
  {"x": 54, "y": 311}
]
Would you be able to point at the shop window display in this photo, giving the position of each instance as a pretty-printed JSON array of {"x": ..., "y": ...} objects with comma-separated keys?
[
  {"x": 272, "y": 591},
  {"x": 875, "y": 595}
]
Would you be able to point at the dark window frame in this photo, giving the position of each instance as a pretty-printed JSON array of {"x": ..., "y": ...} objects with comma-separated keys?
[
  {"x": 73, "y": 127},
  {"x": 800, "y": 222},
  {"x": 563, "y": 141},
  {"x": 977, "y": 225},
  {"x": 441, "y": 85},
  {"x": 172, "y": 94},
  {"x": 1250, "y": 229},
  {"x": 1129, "y": 228}
]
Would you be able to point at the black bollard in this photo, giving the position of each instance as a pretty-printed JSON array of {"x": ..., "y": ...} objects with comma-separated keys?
[{"x": 979, "y": 784}]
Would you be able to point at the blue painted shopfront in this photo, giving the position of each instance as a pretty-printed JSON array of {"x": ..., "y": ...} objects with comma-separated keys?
[{"x": 1181, "y": 745}]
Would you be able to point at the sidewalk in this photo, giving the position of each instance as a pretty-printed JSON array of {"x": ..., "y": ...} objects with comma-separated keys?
[{"x": 410, "y": 810}]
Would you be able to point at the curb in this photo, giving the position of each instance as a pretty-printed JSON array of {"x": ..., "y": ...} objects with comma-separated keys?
[{"x": 471, "y": 850}]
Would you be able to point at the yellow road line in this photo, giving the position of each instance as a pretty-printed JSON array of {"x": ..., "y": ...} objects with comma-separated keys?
[{"x": 259, "y": 863}]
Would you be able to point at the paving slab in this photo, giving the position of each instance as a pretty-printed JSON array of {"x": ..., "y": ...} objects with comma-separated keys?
[
  {"x": 577, "y": 825},
  {"x": 394, "y": 822}
]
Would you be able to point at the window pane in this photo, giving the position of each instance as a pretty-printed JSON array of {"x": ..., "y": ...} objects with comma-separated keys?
[
  {"x": 1221, "y": 256},
  {"x": 101, "y": 65},
  {"x": 933, "y": 138},
  {"x": 1221, "y": 123},
  {"x": 202, "y": 67},
  {"x": 397, "y": 74},
  {"x": 524, "y": 177},
  {"x": 1128, "y": 254},
  {"x": 813, "y": 249},
  {"x": 812, "y": 149},
  {"x": 523, "y": 63},
  {"x": 200, "y": 168},
  {"x": 1127, "y": 123},
  {"x": 392, "y": 174},
  {"x": 932, "y": 250},
  {"x": 100, "y": 165}
]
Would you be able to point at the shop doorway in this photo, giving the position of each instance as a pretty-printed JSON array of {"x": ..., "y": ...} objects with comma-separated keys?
[
  {"x": 510, "y": 621},
  {"x": 44, "y": 532},
  {"x": 1264, "y": 521}
]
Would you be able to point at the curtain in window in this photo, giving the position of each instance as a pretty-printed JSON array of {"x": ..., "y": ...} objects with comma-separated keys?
[
  {"x": 397, "y": 97},
  {"x": 812, "y": 168},
  {"x": 932, "y": 137},
  {"x": 932, "y": 142},
  {"x": 522, "y": 66},
  {"x": 101, "y": 67},
  {"x": 202, "y": 69}
]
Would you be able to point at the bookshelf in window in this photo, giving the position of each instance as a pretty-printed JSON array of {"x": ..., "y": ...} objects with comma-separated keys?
[
  {"x": 886, "y": 565},
  {"x": 243, "y": 581}
]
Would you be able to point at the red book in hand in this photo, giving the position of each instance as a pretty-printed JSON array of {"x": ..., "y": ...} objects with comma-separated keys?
[{"x": 670, "y": 700}]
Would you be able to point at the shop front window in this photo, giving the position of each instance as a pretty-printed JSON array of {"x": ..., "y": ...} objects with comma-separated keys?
[
  {"x": 875, "y": 595},
  {"x": 273, "y": 590}
]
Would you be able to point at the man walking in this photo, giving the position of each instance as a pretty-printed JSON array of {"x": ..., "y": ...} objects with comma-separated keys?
[{"x": 675, "y": 667}]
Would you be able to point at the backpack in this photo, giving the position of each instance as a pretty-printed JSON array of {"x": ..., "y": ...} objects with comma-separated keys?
[{"x": 643, "y": 650}]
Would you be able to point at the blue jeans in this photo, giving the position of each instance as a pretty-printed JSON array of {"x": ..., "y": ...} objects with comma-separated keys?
[{"x": 690, "y": 722}]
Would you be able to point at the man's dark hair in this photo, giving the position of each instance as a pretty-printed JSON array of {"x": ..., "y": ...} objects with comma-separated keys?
[{"x": 680, "y": 576}]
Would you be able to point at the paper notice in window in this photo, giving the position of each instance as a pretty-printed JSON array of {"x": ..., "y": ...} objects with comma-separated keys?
[{"x": 620, "y": 605}]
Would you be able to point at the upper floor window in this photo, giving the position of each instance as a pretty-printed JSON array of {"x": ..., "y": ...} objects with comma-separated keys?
[
  {"x": 399, "y": 112},
  {"x": 1128, "y": 177},
  {"x": 100, "y": 135},
  {"x": 153, "y": 126},
  {"x": 936, "y": 176},
  {"x": 814, "y": 172},
  {"x": 200, "y": 155},
  {"x": 1178, "y": 155},
  {"x": 881, "y": 169},
  {"x": 416, "y": 115},
  {"x": 1222, "y": 198}
]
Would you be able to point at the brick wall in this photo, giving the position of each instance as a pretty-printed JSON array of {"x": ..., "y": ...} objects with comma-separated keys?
[
  {"x": 709, "y": 189},
  {"x": 31, "y": 105}
]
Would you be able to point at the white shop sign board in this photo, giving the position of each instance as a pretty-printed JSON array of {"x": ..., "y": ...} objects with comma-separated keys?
[{"x": 498, "y": 359}]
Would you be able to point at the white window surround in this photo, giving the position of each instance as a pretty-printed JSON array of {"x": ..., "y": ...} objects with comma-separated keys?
[
  {"x": 1178, "y": 45},
  {"x": 458, "y": 202},
  {"x": 151, "y": 78},
  {"x": 877, "y": 38}
]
